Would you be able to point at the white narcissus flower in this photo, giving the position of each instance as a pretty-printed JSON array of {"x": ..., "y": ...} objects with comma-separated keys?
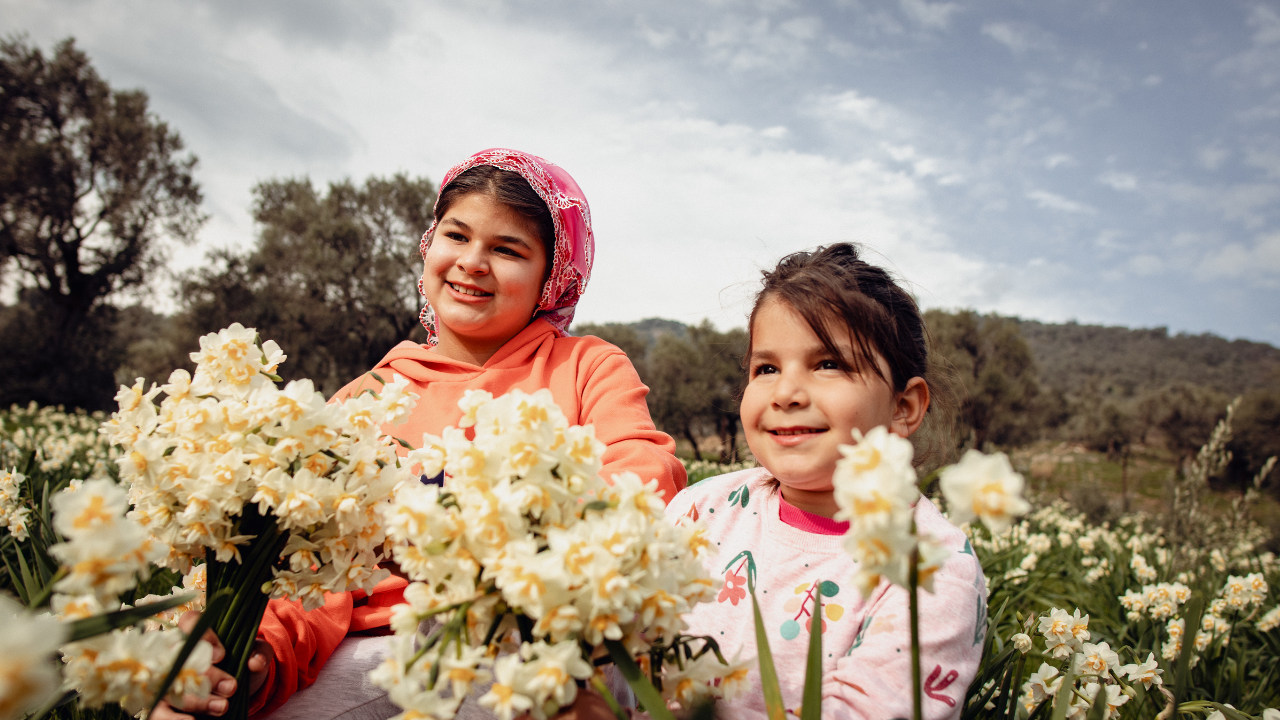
[
  {"x": 1043, "y": 684},
  {"x": 550, "y": 672},
  {"x": 127, "y": 666},
  {"x": 523, "y": 522},
  {"x": 13, "y": 514},
  {"x": 105, "y": 553},
  {"x": 875, "y": 482},
  {"x": 1099, "y": 659},
  {"x": 1114, "y": 697},
  {"x": 505, "y": 697},
  {"x": 1148, "y": 673},
  {"x": 874, "y": 486},
  {"x": 1270, "y": 621},
  {"x": 985, "y": 487},
  {"x": 28, "y": 675},
  {"x": 1063, "y": 632}
]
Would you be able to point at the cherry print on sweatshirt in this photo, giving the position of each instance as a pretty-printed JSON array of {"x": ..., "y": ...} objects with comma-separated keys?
[{"x": 806, "y": 593}]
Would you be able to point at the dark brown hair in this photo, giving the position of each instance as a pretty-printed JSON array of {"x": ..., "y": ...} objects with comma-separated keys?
[
  {"x": 508, "y": 188},
  {"x": 832, "y": 287}
]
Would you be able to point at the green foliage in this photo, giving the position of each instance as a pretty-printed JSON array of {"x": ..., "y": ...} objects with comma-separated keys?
[
  {"x": 694, "y": 374},
  {"x": 999, "y": 391},
  {"x": 1128, "y": 362},
  {"x": 91, "y": 186},
  {"x": 332, "y": 278}
]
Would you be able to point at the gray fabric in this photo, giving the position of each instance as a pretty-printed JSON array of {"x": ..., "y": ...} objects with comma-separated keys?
[{"x": 342, "y": 690}]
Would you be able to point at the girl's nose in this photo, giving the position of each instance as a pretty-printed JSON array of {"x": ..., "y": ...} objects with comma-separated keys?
[
  {"x": 473, "y": 260},
  {"x": 789, "y": 392}
]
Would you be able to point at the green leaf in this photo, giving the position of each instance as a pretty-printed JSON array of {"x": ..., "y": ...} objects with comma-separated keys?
[
  {"x": 745, "y": 497},
  {"x": 768, "y": 675},
  {"x": 811, "y": 705},
  {"x": 377, "y": 377},
  {"x": 403, "y": 444},
  {"x": 1231, "y": 713},
  {"x": 648, "y": 695},
  {"x": 53, "y": 703},
  {"x": 86, "y": 628},
  {"x": 1098, "y": 711},
  {"x": 42, "y": 596},
  {"x": 13, "y": 577},
  {"x": 1062, "y": 702},
  {"x": 28, "y": 581},
  {"x": 1182, "y": 671},
  {"x": 609, "y": 699},
  {"x": 214, "y": 608}
]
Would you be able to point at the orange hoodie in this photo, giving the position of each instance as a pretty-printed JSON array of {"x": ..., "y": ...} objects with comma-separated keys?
[{"x": 592, "y": 381}]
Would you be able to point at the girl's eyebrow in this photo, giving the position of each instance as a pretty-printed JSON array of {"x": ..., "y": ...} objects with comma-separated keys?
[
  {"x": 763, "y": 355},
  {"x": 510, "y": 239},
  {"x": 515, "y": 241}
]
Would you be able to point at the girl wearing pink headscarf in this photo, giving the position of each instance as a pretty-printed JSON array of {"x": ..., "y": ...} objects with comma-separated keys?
[{"x": 505, "y": 261}]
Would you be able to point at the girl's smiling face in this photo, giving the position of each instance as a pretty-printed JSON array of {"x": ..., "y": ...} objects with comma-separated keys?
[
  {"x": 483, "y": 276},
  {"x": 799, "y": 406}
]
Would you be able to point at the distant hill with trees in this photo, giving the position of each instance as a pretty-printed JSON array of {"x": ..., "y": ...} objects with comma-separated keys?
[
  {"x": 1016, "y": 381},
  {"x": 1071, "y": 357}
]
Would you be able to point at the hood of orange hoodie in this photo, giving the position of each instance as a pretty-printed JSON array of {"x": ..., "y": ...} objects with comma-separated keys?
[{"x": 422, "y": 365}]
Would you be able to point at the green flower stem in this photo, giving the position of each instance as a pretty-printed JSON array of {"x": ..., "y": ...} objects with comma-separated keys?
[{"x": 913, "y": 581}]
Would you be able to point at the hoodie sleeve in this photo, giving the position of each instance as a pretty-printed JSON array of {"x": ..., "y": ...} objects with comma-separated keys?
[
  {"x": 613, "y": 400},
  {"x": 302, "y": 642}
]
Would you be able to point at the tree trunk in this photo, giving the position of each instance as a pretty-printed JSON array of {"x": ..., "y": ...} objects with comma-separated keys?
[
  {"x": 1124, "y": 479},
  {"x": 688, "y": 435}
]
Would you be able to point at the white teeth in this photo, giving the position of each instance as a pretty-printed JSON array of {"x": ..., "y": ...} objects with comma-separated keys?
[{"x": 469, "y": 291}]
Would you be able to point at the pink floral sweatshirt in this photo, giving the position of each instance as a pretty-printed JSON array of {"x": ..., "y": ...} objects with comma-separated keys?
[{"x": 866, "y": 644}]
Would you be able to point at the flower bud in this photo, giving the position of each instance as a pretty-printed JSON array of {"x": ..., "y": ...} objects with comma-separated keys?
[{"x": 1022, "y": 642}]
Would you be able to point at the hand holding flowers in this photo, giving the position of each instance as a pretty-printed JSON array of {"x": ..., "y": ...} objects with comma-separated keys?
[{"x": 277, "y": 491}]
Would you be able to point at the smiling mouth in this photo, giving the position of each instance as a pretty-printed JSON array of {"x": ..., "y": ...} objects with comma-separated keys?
[
  {"x": 796, "y": 431},
  {"x": 469, "y": 291}
]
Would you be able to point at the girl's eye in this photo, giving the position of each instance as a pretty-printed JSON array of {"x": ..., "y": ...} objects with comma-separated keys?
[
  {"x": 828, "y": 365},
  {"x": 508, "y": 251},
  {"x": 456, "y": 236},
  {"x": 763, "y": 370}
]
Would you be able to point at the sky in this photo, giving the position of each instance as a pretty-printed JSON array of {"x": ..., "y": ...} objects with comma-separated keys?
[{"x": 1093, "y": 160}]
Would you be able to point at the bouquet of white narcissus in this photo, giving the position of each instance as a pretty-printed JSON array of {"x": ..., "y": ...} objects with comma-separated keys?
[
  {"x": 276, "y": 490},
  {"x": 525, "y": 551}
]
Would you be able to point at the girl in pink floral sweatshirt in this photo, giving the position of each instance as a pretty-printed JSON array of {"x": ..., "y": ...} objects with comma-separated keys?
[{"x": 836, "y": 345}]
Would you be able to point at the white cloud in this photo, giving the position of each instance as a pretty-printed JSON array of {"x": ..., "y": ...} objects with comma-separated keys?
[
  {"x": 1259, "y": 262},
  {"x": 1146, "y": 265},
  {"x": 687, "y": 209},
  {"x": 1118, "y": 180},
  {"x": 1057, "y": 160},
  {"x": 851, "y": 105},
  {"x": 1053, "y": 201},
  {"x": 1212, "y": 156},
  {"x": 1152, "y": 80},
  {"x": 1017, "y": 37},
  {"x": 935, "y": 15}
]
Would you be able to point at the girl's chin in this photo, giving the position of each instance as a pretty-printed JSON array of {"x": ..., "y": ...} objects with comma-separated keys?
[{"x": 813, "y": 485}]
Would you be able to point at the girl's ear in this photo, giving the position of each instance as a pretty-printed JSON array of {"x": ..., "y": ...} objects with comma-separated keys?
[{"x": 910, "y": 406}]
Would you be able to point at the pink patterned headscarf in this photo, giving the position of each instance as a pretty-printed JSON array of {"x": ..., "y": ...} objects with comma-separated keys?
[{"x": 575, "y": 246}]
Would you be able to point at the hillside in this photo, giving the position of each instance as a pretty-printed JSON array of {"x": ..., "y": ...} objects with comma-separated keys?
[{"x": 1128, "y": 361}]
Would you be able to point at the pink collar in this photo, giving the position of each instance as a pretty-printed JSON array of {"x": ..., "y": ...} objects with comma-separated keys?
[{"x": 807, "y": 521}]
